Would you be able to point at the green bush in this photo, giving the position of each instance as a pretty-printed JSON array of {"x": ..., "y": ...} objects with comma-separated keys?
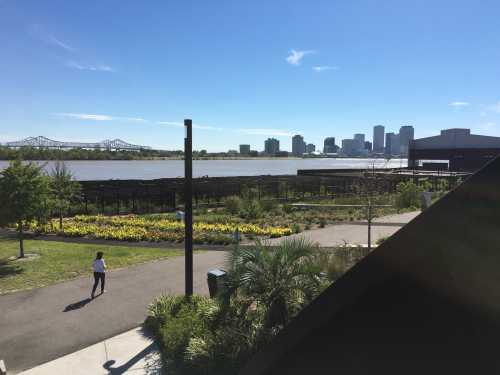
[
  {"x": 408, "y": 195},
  {"x": 251, "y": 209},
  {"x": 268, "y": 204},
  {"x": 266, "y": 287},
  {"x": 233, "y": 205},
  {"x": 296, "y": 228}
]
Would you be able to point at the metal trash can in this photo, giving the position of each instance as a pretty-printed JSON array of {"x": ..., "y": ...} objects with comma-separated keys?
[{"x": 216, "y": 281}]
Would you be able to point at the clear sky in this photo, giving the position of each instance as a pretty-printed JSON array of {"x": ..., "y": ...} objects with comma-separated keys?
[{"x": 246, "y": 70}]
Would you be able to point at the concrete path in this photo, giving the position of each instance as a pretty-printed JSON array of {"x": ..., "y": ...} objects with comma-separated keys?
[
  {"x": 40, "y": 325},
  {"x": 337, "y": 235},
  {"x": 128, "y": 353}
]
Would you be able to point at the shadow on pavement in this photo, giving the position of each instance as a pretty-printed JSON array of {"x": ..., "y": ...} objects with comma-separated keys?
[
  {"x": 152, "y": 365},
  {"x": 77, "y": 305}
]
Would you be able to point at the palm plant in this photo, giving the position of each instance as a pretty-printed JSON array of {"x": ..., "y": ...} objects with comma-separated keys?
[{"x": 280, "y": 280}]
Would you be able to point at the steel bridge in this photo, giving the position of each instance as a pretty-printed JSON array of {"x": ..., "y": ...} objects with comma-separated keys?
[{"x": 43, "y": 142}]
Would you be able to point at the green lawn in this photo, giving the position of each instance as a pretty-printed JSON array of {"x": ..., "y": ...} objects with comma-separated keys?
[{"x": 59, "y": 261}]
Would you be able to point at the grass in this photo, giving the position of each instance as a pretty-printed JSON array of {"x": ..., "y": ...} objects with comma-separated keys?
[{"x": 60, "y": 261}]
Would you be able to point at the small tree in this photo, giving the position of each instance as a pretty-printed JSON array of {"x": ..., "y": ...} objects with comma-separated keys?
[
  {"x": 63, "y": 189},
  {"x": 24, "y": 193}
]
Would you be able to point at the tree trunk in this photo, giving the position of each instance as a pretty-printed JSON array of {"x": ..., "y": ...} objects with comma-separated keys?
[
  {"x": 21, "y": 243},
  {"x": 60, "y": 220}
]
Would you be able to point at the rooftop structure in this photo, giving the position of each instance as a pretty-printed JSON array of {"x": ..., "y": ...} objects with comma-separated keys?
[{"x": 463, "y": 150}]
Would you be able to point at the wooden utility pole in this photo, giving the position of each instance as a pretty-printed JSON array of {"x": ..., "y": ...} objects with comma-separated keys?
[{"x": 188, "y": 206}]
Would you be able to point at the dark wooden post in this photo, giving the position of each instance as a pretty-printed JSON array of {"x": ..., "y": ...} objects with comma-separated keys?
[{"x": 188, "y": 206}]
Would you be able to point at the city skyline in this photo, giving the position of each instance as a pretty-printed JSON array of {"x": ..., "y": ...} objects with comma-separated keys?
[{"x": 328, "y": 69}]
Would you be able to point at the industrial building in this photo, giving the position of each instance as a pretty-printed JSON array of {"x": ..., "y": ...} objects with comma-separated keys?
[{"x": 463, "y": 151}]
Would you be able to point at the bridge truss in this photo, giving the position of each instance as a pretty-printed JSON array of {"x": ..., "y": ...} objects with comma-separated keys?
[{"x": 43, "y": 142}]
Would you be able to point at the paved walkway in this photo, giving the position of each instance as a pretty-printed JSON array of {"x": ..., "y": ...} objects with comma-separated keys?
[
  {"x": 40, "y": 325},
  {"x": 336, "y": 235},
  {"x": 128, "y": 353}
]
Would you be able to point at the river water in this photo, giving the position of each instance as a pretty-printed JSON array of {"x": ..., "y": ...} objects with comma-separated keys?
[{"x": 151, "y": 169}]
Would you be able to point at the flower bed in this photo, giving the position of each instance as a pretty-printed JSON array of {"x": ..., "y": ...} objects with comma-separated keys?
[{"x": 139, "y": 228}]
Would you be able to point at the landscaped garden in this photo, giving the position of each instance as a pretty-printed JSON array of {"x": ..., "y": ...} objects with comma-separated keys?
[
  {"x": 160, "y": 227},
  {"x": 49, "y": 262},
  {"x": 264, "y": 290}
]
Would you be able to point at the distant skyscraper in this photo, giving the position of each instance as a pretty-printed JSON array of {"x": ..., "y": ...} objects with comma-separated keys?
[
  {"x": 350, "y": 147},
  {"x": 360, "y": 141},
  {"x": 329, "y": 146},
  {"x": 406, "y": 134},
  {"x": 378, "y": 138},
  {"x": 245, "y": 149},
  {"x": 298, "y": 145},
  {"x": 271, "y": 146},
  {"x": 392, "y": 144},
  {"x": 310, "y": 148},
  {"x": 368, "y": 146}
]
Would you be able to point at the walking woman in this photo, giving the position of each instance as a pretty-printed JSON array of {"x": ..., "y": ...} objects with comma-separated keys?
[{"x": 99, "y": 267}]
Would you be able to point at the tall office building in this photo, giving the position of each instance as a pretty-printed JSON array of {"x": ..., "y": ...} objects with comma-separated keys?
[
  {"x": 310, "y": 148},
  {"x": 245, "y": 149},
  {"x": 368, "y": 146},
  {"x": 360, "y": 141},
  {"x": 350, "y": 147},
  {"x": 406, "y": 134},
  {"x": 392, "y": 144},
  {"x": 271, "y": 146},
  {"x": 329, "y": 146},
  {"x": 378, "y": 138},
  {"x": 298, "y": 145}
]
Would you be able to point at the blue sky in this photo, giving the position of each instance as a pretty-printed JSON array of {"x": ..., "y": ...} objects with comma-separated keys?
[{"x": 246, "y": 70}]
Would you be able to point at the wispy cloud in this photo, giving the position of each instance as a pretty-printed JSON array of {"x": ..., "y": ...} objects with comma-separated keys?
[
  {"x": 322, "y": 68},
  {"x": 95, "y": 117},
  {"x": 99, "y": 68},
  {"x": 296, "y": 56},
  {"x": 269, "y": 132},
  {"x": 459, "y": 104},
  {"x": 181, "y": 125},
  {"x": 494, "y": 107},
  {"x": 39, "y": 32}
]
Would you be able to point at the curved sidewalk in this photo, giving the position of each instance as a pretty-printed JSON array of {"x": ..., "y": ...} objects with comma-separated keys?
[{"x": 42, "y": 324}]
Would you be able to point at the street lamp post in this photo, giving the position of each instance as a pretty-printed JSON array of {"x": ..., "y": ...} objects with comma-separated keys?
[{"x": 188, "y": 206}]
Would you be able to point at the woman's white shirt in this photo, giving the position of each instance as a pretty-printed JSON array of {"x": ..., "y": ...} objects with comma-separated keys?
[{"x": 99, "y": 265}]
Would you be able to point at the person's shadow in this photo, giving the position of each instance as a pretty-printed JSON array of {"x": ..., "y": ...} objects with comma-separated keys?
[
  {"x": 77, "y": 305},
  {"x": 153, "y": 366}
]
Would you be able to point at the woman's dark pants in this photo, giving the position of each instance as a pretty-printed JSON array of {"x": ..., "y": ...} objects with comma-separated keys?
[{"x": 99, "y": 276}]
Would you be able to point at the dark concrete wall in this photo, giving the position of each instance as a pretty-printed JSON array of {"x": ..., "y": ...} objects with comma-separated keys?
[{"x": 426, "y": 301}]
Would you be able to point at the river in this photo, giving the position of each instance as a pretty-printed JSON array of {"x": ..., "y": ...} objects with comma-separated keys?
[{"x": 151, "y": 169}]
